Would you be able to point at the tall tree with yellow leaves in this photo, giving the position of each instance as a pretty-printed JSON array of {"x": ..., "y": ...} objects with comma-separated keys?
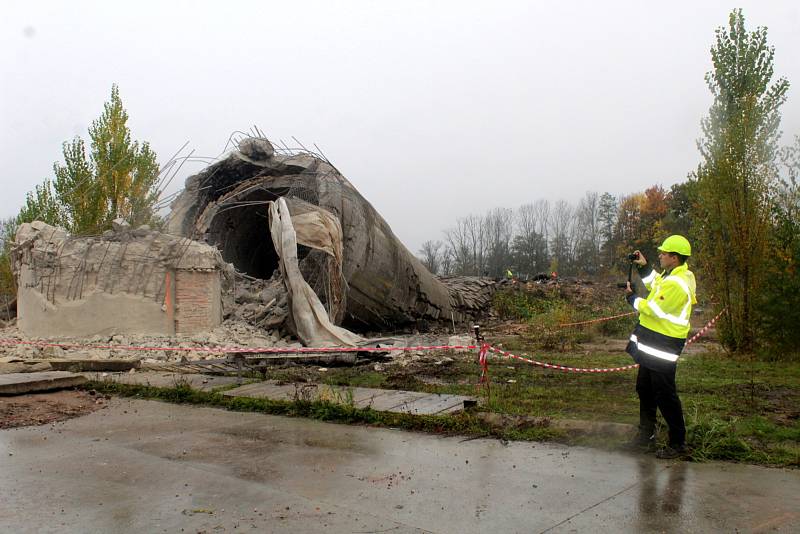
[
  {"x": 118, "y": 179},
  {"x": 733, "y": 181}
]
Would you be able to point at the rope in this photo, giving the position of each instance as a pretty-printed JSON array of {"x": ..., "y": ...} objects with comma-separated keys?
[
  {"x": 562, "y": 367},
  {"x": 224, "y": 350},
  {"x": 600, "y": 320},
  {"x": 485, "y": 366}
]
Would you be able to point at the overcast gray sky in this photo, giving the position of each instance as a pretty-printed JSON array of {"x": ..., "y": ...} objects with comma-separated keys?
[{"x": 433, "y": 110}]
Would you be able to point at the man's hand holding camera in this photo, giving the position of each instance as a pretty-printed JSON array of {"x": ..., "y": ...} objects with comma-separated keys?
[
  {"x": 635, "y": 257},
  {"x": 638, "y": 258}
]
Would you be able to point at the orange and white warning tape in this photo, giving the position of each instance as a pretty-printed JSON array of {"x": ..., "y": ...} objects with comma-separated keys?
[
  {"x": 600, "y": 320},
  {"x": 225, "y": 350},
  {"x": 485, "y": 364},
  {"x": 484, "y": 350},
  {"x": 563, "y": 367},
  {"x": 706, "y": 327}
]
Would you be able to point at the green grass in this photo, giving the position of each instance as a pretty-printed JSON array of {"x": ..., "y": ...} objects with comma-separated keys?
[
  {"x": 545, "y": 308},
  {"x": 467, "y": 423},
  {"x": 735, "y": 409}
]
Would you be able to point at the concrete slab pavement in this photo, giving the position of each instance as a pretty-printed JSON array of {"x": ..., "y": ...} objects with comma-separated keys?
[
  {"x": 166, "y": 380},
  {"x": 388, "y": 400},
  {"x": 18, "y": 383},
  {"x": 144, "y": 466}
]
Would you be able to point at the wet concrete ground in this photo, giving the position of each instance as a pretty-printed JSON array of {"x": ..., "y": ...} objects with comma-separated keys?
[{"x": 144, "y": 466}]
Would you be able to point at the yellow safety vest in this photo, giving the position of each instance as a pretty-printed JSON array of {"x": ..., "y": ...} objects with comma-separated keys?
[{"x": 668, "y": 306}]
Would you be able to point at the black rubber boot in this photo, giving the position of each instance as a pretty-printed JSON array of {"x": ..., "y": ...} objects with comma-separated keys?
[
  {"x": 643, "y": 442},
  {"x": 672, "y": 452}
]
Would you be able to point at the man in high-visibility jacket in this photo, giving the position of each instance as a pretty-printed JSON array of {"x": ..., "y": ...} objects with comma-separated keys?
[{"x": 658, "y": 340}]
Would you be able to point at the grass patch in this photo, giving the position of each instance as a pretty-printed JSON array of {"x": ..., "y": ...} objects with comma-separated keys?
[
  {"x": 466, "y": 423},
  {"x": 544, "y": 308},
  {"x": 735, "y": 409}
]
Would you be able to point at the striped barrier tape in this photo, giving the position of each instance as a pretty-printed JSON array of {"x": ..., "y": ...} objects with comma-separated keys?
[
  {"x": 485, "y": 365},
  {"x": 600, "y": 320},
  {"x": 563, "y": 367},
  {"x": 225, "y": 350},
  {"x": 706, "y": 327},
  {"x": 484, "y": 349}
]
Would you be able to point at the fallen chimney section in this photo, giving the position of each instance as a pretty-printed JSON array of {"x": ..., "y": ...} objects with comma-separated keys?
[
  {"x": 278, "y": 239},
  {"x": 363, "y": 275}
]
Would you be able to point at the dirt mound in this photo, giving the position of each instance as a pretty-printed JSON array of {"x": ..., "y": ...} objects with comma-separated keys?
[{"x": 44, "y": 408}]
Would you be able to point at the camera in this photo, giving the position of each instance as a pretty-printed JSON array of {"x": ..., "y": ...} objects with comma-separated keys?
[{"x": 633, "y": 256}]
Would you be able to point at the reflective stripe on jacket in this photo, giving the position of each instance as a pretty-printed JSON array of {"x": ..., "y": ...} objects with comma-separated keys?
[
  {"x": 653, "y": 350},
  {"x": 668, "y": 306},
  {"x": 660, "y": 336}
]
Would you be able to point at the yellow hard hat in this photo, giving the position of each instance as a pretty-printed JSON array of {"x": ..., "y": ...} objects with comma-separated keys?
[{"x": 676, "y": 244}]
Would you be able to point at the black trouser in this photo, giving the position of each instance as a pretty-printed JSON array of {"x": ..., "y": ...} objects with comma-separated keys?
[{"x": 656, "y": 389}]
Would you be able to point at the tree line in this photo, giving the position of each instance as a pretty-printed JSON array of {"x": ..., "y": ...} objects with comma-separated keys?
[
  {"x": 589, "y": 237},
  {"x": 740, "y": 209}
]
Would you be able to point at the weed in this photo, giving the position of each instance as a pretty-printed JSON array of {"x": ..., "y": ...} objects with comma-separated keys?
[
  {"x": 462, "y": 423},
  {"x": 729, "y": 415}
]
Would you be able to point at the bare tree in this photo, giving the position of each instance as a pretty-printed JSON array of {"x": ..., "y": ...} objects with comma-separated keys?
[
  {"x": 498, "y": 231},
  {"x": 446, "y": 268},
  {"x": 608, "y": 212},
  {"x": 529, "y": 246},
  {"x": 589, "y": 240},
  {"x": 457, "y": 248},
  {"x": 431, "y": 255},
  {"x": 562, "y": 229},
  {"x": 466, "y": 244}
]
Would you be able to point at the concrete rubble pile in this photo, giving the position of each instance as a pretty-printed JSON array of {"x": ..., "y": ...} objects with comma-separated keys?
[
  {"x": 120, "y": 282},
  {"x": 364, "y": 276},
  {"x": 265, "y": 247},
  {"x": 263, "y": 304}
]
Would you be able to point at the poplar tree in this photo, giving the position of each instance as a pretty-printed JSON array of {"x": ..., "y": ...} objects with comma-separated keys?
[
  {"x": 116, "y": 179},
  {"x": 41, "y": 204},
  {"x": 738, "y": 165}
]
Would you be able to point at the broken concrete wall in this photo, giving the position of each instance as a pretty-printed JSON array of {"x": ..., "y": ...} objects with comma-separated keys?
[
  {"x": 126, "y": 281},
  {"x": 376, "y": 283}
]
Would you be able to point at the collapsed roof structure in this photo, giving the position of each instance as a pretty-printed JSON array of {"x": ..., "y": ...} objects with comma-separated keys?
[
  {"x": 299, "y": 250},
  {"x": 363, "y": 275}
]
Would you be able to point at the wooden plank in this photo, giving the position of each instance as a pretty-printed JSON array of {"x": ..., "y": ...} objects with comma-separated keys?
[
  {"x": 166, "y": 380},
  {"x": 361, "y": 397},
  {"x": 269, "y": 390},
  {"x": 86, "y": 365}
]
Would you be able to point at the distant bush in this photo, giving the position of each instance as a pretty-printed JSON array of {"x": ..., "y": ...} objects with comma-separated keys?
[
  {"x": 520, "y": 305},
  {"x": 546, "y": 309}
]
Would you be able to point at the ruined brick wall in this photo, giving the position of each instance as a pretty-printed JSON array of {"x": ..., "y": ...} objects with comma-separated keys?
[
  {"x": 198, "y": 301},
  {"x": 123, "y": 282}
]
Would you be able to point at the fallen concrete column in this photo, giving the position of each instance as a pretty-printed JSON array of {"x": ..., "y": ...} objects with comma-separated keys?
[{"x": 375, "y": 284}]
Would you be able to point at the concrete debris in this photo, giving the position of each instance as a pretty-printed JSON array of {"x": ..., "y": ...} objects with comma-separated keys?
[
  {"x": 362, "y": 273},
  {"x": 20, "y": 383},
  {"x": 470, "y": 295},
  {"x": 219, "y": 269},
  {"x": 10, "y": 364},
  {"x": 115, "y": 283},
  {"x": 120, "y": 225},
  {"x": 260, "y": 303}
]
